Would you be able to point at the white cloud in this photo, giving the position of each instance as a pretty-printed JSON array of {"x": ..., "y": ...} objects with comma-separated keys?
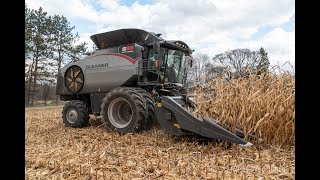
[
  {"x": 279, "y": 44},
  {"x": 85, "y": 37},
  {"x": 69, "y": 8},
  {"x": 212, "y": 26}
]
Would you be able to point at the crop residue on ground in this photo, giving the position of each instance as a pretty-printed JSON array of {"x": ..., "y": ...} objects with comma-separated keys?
[{"x": 53, "y": 151}]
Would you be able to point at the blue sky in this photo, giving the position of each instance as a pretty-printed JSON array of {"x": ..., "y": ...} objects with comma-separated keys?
[
  {"x": 288, "y": 26},
  {"x": 208, "y": 26}
]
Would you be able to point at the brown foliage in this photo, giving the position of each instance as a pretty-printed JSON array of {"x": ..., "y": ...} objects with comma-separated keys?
[{"x": 261, "y": 104}]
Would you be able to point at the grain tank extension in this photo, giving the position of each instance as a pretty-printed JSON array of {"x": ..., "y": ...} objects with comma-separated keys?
[{"x": 135, "y": 79}]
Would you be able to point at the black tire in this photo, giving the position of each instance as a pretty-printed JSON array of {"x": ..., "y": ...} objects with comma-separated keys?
[
  {"x": 123, "y": 110},
  {"x": 75, "y": 114},
  {"x": 150, "y": 104}
]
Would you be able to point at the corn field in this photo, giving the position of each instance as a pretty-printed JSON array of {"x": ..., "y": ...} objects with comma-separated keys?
[
  {"x": 260, "y": 105},
  {"x": 53, "y": 151}
]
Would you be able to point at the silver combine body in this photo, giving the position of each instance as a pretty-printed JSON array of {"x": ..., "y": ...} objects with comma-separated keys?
[
  {"x": 118, "y": 83},
  {"x": 106, "y": 69}
]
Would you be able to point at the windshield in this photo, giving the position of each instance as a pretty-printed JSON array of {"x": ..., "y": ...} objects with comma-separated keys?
[
  {"x": 174, "y": 61},
  {"x": 171, "y": 64}
]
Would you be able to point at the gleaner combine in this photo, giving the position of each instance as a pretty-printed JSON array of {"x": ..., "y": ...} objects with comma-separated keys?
[{"x": 134, "y": 79}]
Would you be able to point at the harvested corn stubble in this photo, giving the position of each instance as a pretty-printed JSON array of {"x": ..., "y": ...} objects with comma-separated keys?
[{"x": 53, "y": 151}]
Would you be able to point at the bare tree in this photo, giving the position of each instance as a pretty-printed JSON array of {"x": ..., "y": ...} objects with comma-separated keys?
[
  {"x": 196, "y": 72},
  {"x": 200, "y": 61},
  {"x": 240, "y": 60},
  {"x": 213, "y": 71}
]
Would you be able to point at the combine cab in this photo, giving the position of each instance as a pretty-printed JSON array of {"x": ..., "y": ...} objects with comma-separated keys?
[{"x": 134, "y": 79}]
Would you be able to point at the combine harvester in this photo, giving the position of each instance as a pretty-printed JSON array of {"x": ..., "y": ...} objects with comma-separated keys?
[{"x": 134, "y": 79}]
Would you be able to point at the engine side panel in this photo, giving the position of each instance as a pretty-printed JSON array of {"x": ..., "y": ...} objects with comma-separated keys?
[
  {"x": 105, "y": 69},
  {"x": 115, "y": 72}
]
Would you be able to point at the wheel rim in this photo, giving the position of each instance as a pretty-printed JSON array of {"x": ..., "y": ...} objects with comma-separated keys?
[
  {"x": 72, "y": 115},
  {"x": 120, "y": 113}
]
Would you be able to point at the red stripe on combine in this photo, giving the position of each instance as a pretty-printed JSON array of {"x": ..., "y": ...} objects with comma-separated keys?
[
  {"x": 133, "y": 61},
  {"x": 136, "y": 59}
]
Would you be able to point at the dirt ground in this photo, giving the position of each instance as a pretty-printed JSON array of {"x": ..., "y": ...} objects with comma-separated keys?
[
  {"x": 43, "y": 108},
  {"x": 53, "y": 151}
]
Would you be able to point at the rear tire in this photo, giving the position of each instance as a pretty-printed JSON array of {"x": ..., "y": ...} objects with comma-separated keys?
[
  {"x": 123, "y": 110},
  {"x": 75, "y": 114}
]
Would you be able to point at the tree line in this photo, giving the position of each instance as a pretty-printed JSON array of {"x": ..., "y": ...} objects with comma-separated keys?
[
  {"x": 229, "y": 64},
  {"x": 50, "y": 43}
]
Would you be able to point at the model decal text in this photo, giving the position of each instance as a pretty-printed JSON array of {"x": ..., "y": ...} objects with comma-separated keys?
[
  {"x": 95, "y": 66},
  {"x": 127, "y": 49}
]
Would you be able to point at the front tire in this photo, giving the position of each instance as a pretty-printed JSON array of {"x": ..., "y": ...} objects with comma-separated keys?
[
  {"x": 150, "y": 104},
  {"x": 123, "y": 110},
  {"x": 75, "y": 114}
]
